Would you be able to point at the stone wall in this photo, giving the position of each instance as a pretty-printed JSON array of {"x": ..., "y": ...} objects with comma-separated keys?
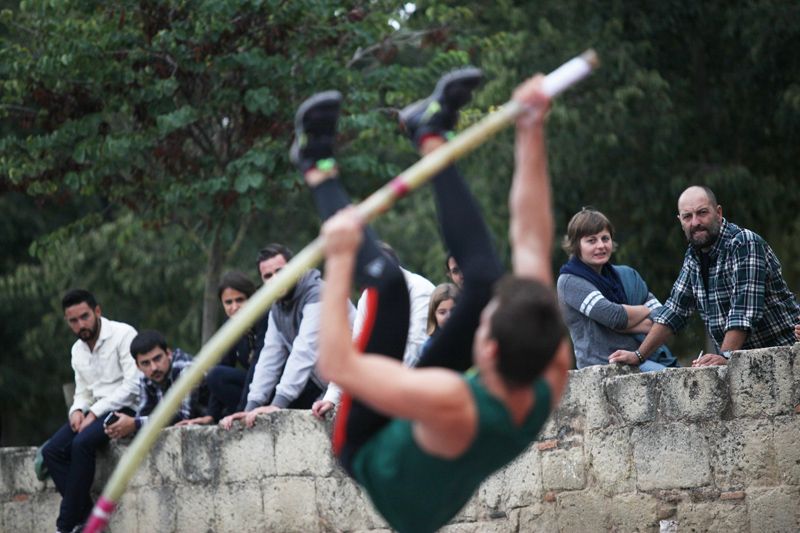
[{"x": 714, "y": 449}]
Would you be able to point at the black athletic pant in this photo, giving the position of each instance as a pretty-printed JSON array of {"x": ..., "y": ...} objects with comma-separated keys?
[
  {"x": 385, "y": 328},
  {"x": 467, "y": 237}
]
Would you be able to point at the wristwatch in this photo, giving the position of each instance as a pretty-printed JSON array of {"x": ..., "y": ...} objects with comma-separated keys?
[{"x": 726, "y": 354}]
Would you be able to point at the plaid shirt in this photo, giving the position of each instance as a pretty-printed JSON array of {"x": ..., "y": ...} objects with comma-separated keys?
[
  {"x": 150, "y": 393},
  {"x": 746, "y": 292}
]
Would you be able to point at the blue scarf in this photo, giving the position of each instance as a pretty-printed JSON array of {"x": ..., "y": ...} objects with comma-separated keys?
[{"x": 607, "y": 282}]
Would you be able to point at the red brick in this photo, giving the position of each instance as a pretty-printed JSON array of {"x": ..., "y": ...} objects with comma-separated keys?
[{"x": 547, "y": 445}]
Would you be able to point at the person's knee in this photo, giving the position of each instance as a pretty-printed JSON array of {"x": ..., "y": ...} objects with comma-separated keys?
[
  {"x": 214, "y": 378},
  {"x": 86, "y": 442}
]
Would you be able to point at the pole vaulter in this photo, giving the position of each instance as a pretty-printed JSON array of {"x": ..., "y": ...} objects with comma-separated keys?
[{"x": 380, "y": 201}]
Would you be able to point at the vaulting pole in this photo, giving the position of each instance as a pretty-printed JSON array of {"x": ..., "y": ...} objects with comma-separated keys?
[{"x": 380, "y": 201}]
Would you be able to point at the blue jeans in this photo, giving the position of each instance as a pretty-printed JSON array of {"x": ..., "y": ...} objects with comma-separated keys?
[
  {"x": 650, "y": 366},
  {"x": 70, "y": 458}
]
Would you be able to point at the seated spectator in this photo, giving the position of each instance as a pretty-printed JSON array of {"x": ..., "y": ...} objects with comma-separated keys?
[
  {"x": 443, "y": 299},
  {"x": 453, "y": 272},
  {"x": 229, "y": 381},
  {"x": 160, "y": 367},
  {"x": 606, "y": 307},
  {"x": 419, "y": 294},
  {"x": 106, "y": 380},
  {"x": 285, "y": 375}
]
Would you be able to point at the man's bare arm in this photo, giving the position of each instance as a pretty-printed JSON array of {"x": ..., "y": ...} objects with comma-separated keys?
[
  {"x": 432, "y": 396},
  {"x": 658, "y": 335},
  {"x": 531, "y": 225}
]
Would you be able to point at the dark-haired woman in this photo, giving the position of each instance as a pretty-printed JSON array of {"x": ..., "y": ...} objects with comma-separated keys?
[
  {"x": 606, "y": 307},
  {"x": 229, "y": 380}
]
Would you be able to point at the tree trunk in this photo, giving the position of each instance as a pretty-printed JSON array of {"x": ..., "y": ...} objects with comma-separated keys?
[{"x": 210, "y": 299}]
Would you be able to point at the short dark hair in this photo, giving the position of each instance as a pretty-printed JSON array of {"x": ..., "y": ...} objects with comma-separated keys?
[
  {"x": 270, "y": 251},
  {"x": 528, "y": 328},
  {"x": 447, "y": 257},
  {"x": 77, "y": 296},
  {"x": 587, "y": 221},
  {"x": 236, "y": 280},
  {"x": 147, "y": 340}
]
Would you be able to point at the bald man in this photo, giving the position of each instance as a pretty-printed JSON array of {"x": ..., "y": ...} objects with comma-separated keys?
[{"x": 732, "y": 277}]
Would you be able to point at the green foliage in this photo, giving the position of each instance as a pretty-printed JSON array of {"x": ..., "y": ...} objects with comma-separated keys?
[{"x": 143, "y": 145}]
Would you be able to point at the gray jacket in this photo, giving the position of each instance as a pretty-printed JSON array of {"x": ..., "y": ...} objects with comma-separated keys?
[
  {"x": 593, "y": 320},
  {"x": 291, "y": 343}
]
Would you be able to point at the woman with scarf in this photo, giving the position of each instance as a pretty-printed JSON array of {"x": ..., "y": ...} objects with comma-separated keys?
[{"x": 606, "y": 307}]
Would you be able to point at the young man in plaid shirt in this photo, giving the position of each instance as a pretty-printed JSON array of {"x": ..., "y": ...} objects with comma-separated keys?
[
  {"x": 732, "y": 277},
  {"x": 161, "y": 368}
]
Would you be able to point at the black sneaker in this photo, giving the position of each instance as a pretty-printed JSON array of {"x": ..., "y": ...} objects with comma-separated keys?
[
  {"x": 315, "y": 129},
  {"x": 438, "y": 113}
]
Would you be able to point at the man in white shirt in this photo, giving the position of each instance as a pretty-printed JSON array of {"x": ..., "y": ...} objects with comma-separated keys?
[{"x": 106, "y": 380}]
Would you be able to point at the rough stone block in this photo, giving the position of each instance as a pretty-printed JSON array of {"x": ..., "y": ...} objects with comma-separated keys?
[
  {"x": 742, "y": 454},
  {"x": 544, "y": 520},
  {"x": 201, "y": 450},
  {"x": 774, "y": 509},
  {"x": 239, "y": 508},
  {"x": 16, "y": 471},
  {"x": 583, "y": 511},
  {"x": 712, "y": 517},
  {"x": 609, "y": 458},
  {"x": 166, "y": 452},
  {"x": 694, "y": 393},
  {"x": 670, "y": 456},
  {"x": 18, "y": 515},
  {"x": 761, "y": 382},
  {"x": 634, "y": 512},
  {"x": 247, "y": 454},
  {"x": 500, "y": 525},
  {"x": 564, "y": 469},
  {"x": 196, "y": 508},
  {"x": 341, "y": 504},
  {"x": 633, "y": 396},
  {"x": 289, "y": 504},
  {"x": 302, "y": 444},
  {"x": 157, "y": 509},
  {"x": 148, "y": 473},
  {"x": 787, "y": 451},
  {"x": 586, "y": 395},
  {"x": 550, "y": 428},
  {"x": 45, "y": 511},
  {"x": 522, "y": 481},
  {"x": 126, "y": 515}
]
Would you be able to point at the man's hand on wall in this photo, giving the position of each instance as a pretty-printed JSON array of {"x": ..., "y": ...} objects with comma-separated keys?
[
  {"x": 710, "y": 359},
  {"x": 250, "y": 419},
  {"x": 321, "y": 408}
]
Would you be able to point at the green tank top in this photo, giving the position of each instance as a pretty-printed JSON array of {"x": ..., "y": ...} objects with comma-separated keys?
[{"x": 417, "y": 492}]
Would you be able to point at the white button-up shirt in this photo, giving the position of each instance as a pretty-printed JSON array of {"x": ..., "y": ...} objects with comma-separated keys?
[{"x": 106, "y": 378}]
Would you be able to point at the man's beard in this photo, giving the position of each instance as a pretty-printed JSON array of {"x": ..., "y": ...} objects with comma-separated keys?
[
  {"x": 86, "y": 334},
  {"x": 707, "y": 240}
]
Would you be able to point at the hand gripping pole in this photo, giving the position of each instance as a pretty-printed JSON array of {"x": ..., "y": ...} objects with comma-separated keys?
[{"x": 380, "y": 201}]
